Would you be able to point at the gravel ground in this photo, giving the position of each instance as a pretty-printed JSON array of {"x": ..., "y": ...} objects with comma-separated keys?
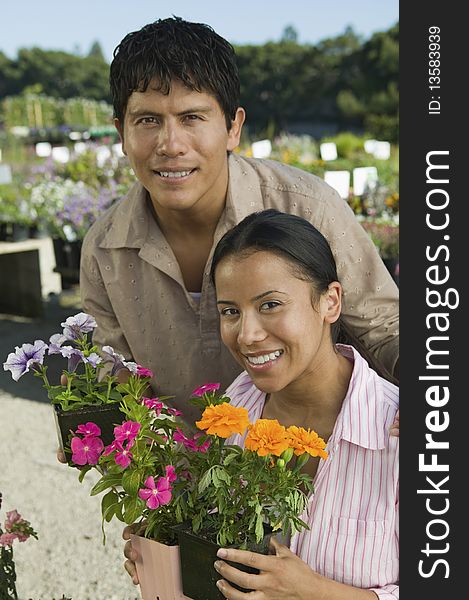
[{"x": 69, "y": 557}]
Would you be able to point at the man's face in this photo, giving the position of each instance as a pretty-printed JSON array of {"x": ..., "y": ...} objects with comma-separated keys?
[{"x": 177, "y": 146}]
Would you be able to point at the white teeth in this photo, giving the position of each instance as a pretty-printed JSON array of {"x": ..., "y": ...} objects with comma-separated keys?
[
  {"x": 260, "y": 360},
  {"x": 171, "y": 174}
]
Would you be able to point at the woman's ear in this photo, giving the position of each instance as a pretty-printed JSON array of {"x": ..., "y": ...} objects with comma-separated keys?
[{"x": 333, "y": 302}]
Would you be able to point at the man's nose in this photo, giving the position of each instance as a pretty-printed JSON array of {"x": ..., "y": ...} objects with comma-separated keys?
[{"x": 171, "y": 141}]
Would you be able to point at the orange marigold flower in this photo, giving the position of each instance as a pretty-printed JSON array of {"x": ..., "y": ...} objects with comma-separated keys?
[
  {"x": 223, "y": 420},
  {"x": 267, "y": 436},
  {"x": 306, "y": 440}
]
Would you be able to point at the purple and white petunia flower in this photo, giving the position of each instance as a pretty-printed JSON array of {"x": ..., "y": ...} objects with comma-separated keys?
[
  {"x": 75, "y": 327},
  {"x": 20, "y": 361},
  {"x": 93, "y": 359},
  {"x": 117, "y": 360},
  {"x": 55, "y": 343},
  {"x": 75, "y": 357}
]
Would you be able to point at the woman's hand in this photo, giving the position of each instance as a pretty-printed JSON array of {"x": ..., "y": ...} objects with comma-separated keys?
[
  {"x": 283, "y": 576},
  {"x": 130, "y": 554},
  {"x": 395, "y": 426}
]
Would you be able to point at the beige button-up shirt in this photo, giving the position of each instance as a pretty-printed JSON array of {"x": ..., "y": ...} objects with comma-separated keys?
[{"x": 131, "y": 283}]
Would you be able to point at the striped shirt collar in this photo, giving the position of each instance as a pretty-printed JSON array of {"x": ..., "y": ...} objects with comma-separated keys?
[{"x": 361, "y": 419}]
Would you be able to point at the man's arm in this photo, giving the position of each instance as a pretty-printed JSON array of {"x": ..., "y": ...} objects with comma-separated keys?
[{"x": 371, "y": 297}]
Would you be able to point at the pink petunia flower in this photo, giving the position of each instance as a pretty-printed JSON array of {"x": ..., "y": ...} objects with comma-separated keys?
[
  {"x": 154, "y": 404},
  {"x": 123, "y": 457},
  {"x": 7, "y": 539},
  {"x": 89, "y": 428},
  {"x": 127, "y": 431},
  {"x": 170, "y": 473},
  {"x": 87, "y": 450},
  {"x": 156, "y": 494},
  {"x": 207, "y": 387},
  {"x": 13, "y": 517},
  {"x": 190, "y": 444},
  {"x": 143, "y": 372},
  {"x": 174, "y": 411}
]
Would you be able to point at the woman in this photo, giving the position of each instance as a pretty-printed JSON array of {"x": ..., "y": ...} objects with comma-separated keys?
[{"x": 279, "y": 301}]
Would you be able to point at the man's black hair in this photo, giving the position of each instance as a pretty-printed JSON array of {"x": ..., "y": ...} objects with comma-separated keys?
[{"x": 170, "y": 50}]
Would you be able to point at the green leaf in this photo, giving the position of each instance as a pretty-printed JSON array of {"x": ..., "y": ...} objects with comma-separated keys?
[
  {"x": 131, "y": 481},
  {"x": 259, "y": 531},
  {"x": 106, "y": 482},
  {"x": 133, "y": 508},
  {"x": 205, "y": 481},
  {"x": 109, "y": 504},
  {"x": 83, "y": 471}
]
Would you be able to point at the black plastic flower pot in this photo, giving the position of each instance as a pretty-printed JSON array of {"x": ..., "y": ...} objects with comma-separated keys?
[
  {"x": 197, "y": 557},
  {"x": 106, "y": 416}
]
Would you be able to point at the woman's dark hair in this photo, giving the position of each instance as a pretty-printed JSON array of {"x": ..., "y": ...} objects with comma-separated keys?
[
  {"x": 175, "y": 49},
  {"x": 304, "y": 247}
]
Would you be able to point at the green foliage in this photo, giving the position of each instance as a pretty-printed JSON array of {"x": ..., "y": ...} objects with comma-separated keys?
[
  {"x": 37, "y": 110},
  {"x": 348, "y": 144}
]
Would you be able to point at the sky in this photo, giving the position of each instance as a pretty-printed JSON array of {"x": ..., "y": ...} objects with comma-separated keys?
[{"x": 73, "y": 25}]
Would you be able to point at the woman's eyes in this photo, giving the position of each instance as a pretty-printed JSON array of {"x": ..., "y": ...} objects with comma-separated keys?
[
  {"x": 265, "y": 306},
  {"x": 269, "y": 305},
  {"x": 228, "y": 312}
]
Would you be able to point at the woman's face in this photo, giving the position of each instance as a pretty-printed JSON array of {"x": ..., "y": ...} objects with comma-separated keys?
[{"x": 271, "y": 321}]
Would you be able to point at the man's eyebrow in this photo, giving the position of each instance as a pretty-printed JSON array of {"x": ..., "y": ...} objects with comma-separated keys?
[
  {"x": 254, "y": 298},
  {"x": 188, "y": 111}
]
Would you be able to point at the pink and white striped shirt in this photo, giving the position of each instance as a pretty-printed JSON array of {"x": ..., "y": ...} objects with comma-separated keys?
[{"x": 353, "y": 513}]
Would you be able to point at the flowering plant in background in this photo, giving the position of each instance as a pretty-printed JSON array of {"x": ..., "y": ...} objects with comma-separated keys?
[
  {"x": 15, "y": 529},
  {"x": 158, "y": 474},
  {"x": 384, "y": 233},
  {"x": 84, "y": 384}
]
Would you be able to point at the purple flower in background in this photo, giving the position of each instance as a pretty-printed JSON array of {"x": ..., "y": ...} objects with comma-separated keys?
[
  {"x": 75, "y": 357},
  {"x": 75, "y": 327},
  {"x": 20, "y": 361},
  {"x": 117, "y": 360},
  {"x": 55, "y": 343},
  {"x": 93, "y": 359}
]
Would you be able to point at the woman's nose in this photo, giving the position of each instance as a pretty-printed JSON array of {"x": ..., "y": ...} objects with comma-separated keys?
[{"x": 250, "y": 331}]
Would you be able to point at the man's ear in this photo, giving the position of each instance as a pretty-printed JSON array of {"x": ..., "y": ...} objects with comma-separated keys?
[
  {"x": 120, "y": 130},
  {"x": 234, "y": 134},
  {"x": 333, "y": 302}
]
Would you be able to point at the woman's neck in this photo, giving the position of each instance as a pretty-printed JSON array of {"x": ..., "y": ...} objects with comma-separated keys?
[{"x": 316, "y": 399}]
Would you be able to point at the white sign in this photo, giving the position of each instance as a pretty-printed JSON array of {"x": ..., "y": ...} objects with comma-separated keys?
[
  {"x": 328, "y": 151},
  {"x": 61, "y": 154},
  {"x": 5, "y": 173},
  {"x": 103, "y": 153},
  {"x": 43, "y": 149},
  {"x": 117, "y": 150},
  {"x": 79, "y": 147},
  {"x": 381, "y": 150},
  {"x": 364, "y": 178},
  {"x": 340, "y": 181},
  {"x": 369, "y": 146},
  {"x": 261, "y": 149}
]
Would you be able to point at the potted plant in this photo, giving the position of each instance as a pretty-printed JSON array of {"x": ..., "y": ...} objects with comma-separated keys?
[
  {"x": 192, "y": 493},
  {"x": 15, "y": 529},
  {"x": 84, "y": 395}
]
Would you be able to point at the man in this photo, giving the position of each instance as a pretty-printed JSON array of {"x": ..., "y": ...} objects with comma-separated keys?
[{"x": 145, "y": 263}]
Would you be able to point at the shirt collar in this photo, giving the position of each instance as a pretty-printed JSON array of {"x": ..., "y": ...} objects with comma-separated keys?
[
  {"x": 133, "y": 218},
  {"x": 131, "y": 221},
  {"x": 361, "y": 419}
]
